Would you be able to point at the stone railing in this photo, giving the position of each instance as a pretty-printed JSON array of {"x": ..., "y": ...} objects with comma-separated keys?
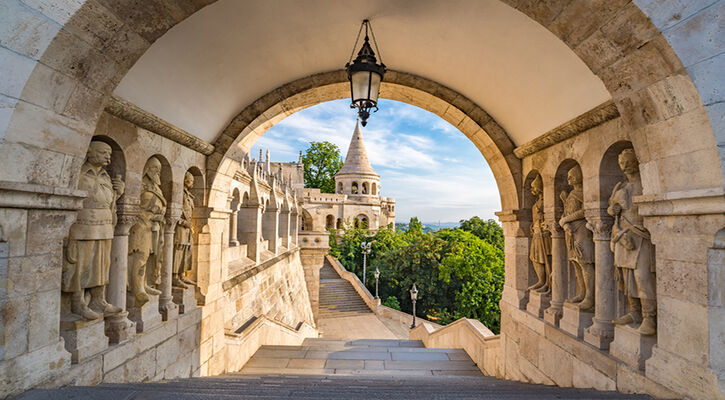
[
  {"x": 313, "y": 239},
  {"x": 245, "y": 341},
  {"x": 467, "y": 334}
]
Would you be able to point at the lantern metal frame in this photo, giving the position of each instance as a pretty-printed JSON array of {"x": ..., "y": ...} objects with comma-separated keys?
[{"x": 365, "y": 62}]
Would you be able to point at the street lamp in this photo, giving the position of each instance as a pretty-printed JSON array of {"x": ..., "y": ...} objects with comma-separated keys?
[
  {"x": 365, "y": 75},
  {"x": 413, "y": 298},
  {"x": 377, "y": 276},
  {"x": 365, "y": 251}
]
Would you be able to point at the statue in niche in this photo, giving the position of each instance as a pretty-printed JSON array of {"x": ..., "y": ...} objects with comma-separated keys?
[
  {"x": 182, "y": 237},
  {"x": 87, "y": 251},
  {"x": 139, "y": 248},
  {"x": 153, "y": 200},
  {"x": 579, "y": 243},
  {"x": 633, "y": 249},
  {"x": 540, "y": 251}
]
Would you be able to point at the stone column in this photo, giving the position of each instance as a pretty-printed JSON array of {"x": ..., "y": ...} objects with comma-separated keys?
[
  {"x": 270, "y": 228},
  {"x": 251, "y": 230},
  {"x": 294, "y": 228},
  {"x": 601, "y": 333},
  {"x": 168, "y": 309},
  {"x": 118, "y": 327},
  {"x": 558, "y": 273},
  {"x": 284, "y": 228},
  {"x": 233, "y": 241},
  {"x": 517, "y": 270}
]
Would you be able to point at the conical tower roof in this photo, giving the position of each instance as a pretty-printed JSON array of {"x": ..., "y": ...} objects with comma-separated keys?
[{"x": 356, "y": 161}]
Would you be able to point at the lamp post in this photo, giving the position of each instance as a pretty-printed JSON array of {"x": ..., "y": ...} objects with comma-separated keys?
[
  {"x": 365, "y": 75},
  {"x": 413, "y": 298},
  {"x": 377, "y": 276},
  {"x": 365, "y": 251}
]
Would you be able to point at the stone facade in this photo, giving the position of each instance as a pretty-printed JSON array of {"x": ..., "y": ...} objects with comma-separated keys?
[{"x": 660, "y": 62}]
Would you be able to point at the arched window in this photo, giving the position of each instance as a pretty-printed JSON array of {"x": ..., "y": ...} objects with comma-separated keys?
[
  {"x": 374, "y": 189},
  {"x": 339, "y": 187},
  {"x": 361, "y": 221},
  {"x": 330, "y": 222},
  {"x": 353, "y": 189},
  {"x": 365, "y": 188},
  {"x": 339, "y": 223}
]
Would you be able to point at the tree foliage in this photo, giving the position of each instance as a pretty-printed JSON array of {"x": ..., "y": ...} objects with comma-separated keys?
[
  {"x": 322, "y": 161},
  {"x": 457, "y": 273},
  {"x": 489, "y": 230}
]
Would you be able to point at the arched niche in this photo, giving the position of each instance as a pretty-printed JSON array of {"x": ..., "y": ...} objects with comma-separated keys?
[
  {"x": 167, "y": 178},
  {"x": 330, "y": 221},
  {"x": 609, "y": 171},
  {"x": 374, "y": 189},
  {"x": 198, "y": 190},
  {"x": 561, "y": 185}
]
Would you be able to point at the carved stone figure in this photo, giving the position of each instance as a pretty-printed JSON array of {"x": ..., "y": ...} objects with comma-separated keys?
[
  {"x": 182, "y": 237},
  {"x": 153, "y": 200},
  {"x": 87, "y": 252},
  {"x": 540, "y": 250},
  {"x": 139, "y": 248},
  {"x": 633, "y": 249},
  {"x": 579, "y": 243}
]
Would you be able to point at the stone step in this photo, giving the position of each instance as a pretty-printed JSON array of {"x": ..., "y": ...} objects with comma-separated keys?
[{"x": 324, "y": 387}]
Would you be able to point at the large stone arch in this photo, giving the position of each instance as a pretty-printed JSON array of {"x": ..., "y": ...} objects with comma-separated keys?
[
  {"x": 60, "y": 63},
  {"x": 68, "y": 44},
  {"x": 251, "y": 123}
]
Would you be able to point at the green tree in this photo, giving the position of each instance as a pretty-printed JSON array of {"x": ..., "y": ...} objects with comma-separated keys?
[
  {"x": 489, "y": 230},
  {"x": 473, "y": 270},
  {"x": 322, "y": 161}
]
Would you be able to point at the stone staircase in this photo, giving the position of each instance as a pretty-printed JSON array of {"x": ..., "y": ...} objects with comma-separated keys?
[
  {"x": 338, "y": 297},
  {"x": 361, "y": 357},
  {"x": 338, "y": 369}
]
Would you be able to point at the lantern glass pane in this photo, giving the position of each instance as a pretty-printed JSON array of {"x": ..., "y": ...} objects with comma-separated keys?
[
  {"x": 374, "y": 87},
  {"x": 360, "y": 82}
]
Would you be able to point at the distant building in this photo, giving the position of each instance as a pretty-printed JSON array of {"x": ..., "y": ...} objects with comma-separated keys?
[{"x": 357, "y": 202}]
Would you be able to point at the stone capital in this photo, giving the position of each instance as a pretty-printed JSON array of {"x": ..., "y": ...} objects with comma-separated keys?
[
  {"x": 127, "y": 216},
  {"x": 600, "y": 223}
]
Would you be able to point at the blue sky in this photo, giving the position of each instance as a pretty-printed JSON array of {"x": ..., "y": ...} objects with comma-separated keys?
[{"x": 432, "y": 170}]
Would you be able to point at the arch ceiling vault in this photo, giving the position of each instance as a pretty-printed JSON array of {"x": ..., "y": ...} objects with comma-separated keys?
[{"x": 222, "y": 58}]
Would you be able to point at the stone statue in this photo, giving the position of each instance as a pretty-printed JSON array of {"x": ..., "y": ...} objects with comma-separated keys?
[
  {"x": 182, "y": 237},
  {"x": 153, "y": 200},
  {"x": 139, "y": 248},
  {"x": 633, "y": 249},
  {"x": 87, "y": 251},
  {"x": 540, "y": 251},
  {"x": 579, "y": 243}
]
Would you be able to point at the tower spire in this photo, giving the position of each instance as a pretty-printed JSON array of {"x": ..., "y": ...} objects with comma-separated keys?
[{"x": 356, "y": 161}]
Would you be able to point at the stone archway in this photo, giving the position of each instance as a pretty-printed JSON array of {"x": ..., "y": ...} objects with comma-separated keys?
[
  {"x": 45, "y": 128},
  {"x": 251, "y": 123}
]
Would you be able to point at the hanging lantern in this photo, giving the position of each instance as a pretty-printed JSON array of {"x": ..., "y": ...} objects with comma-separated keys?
[{"x": 365, "y": 75}]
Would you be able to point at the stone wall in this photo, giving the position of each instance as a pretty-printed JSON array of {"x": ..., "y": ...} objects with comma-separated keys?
[
  {"x": 276, "y": 288},
  {"x": 569, "y": 347}
]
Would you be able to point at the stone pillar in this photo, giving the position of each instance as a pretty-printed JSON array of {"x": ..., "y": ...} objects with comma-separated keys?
[
  {"x": 270, "y": 228},
  {"x": 118, "y": 327},
  {"x": 314, "y": 248},
  {"x": 168, "y": 309},
  {"x": 233, "y": 241},
  {"x": 294, "y": 229},
  {"x": 601, "y": 333},
  {"x": 250, "y": 228},
  {"x": 558, "y": 274},
  {"x": 284, "y": 228},
  {"x": 518, "y": 272}
]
